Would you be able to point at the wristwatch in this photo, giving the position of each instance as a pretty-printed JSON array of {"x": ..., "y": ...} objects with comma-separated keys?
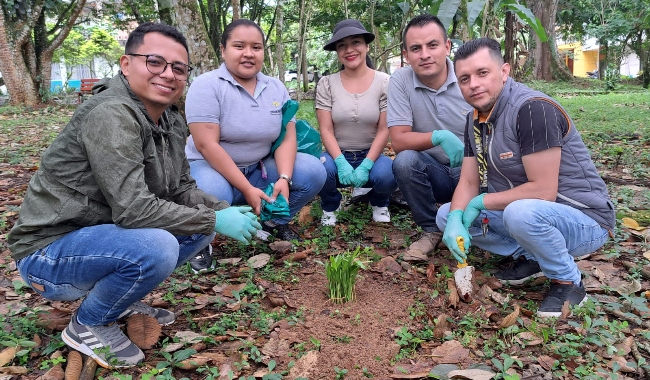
[{"x": 287, "y": 178}]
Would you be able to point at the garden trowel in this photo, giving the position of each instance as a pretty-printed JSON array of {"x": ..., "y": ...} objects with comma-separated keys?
[{"x": 463, "y": 275}]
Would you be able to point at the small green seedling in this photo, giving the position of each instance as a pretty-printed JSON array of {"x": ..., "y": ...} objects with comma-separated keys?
[{"x": 342, "y": 271}]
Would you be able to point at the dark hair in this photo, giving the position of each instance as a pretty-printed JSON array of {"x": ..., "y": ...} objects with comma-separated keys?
[
  {"x": 471, "y": 47},
  {"x": 136, "y": 37},
  {"x": 227, "y": 31},
  {"x": 420, "y": 21}
]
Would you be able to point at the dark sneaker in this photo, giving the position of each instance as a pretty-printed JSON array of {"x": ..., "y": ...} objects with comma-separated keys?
[
  {"x": 560, "y": 293},
  {"x": 164, "y": 317},
  {"x": 281, "y": 232},
  {"x": 107, "y": 345},
  {"x": 203, "y": 261},
  {"x": 519, "y": 271}
]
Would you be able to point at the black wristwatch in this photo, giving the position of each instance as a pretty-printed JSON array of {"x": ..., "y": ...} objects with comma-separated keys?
[{"x": 287, "y": 178}]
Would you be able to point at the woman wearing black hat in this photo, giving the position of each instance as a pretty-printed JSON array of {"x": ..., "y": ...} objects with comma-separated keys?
[{"x": 351, "y": 110}]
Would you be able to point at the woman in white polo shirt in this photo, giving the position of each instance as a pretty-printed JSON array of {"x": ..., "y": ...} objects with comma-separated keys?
[
  {"x": 351, "y": 110},
  {"x": 235, "y": 114}
]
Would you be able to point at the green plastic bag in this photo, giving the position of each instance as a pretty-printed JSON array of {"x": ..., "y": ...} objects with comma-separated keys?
[{"x": 308, "y": 138}]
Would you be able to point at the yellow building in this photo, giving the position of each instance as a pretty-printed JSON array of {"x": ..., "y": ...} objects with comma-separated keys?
[{"x": 579, "y": 58}]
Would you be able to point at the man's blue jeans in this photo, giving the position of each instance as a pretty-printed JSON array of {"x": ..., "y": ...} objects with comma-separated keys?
[
  {"x": 308, "y": 178},
  {"x": 380, "y": 179},
  {"x": 424, "y": 182},
  {"x": 548, "y": 232},
  {"x": 111, "y": 266}
]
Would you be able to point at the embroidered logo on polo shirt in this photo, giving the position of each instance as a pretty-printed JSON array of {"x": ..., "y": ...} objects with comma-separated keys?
[
  {"x": 276, "y": 104},
  {"x": 506, "y": 155}
]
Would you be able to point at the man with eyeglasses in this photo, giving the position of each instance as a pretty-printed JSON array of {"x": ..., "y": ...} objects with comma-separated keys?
[{"x": 113, "y": 210}]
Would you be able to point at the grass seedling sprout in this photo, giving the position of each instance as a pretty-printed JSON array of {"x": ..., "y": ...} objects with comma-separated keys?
[{"x": 342, "y": 271}]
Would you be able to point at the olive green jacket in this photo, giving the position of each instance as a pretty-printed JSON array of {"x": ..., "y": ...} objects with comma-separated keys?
[{"x": 113, "y": 164}]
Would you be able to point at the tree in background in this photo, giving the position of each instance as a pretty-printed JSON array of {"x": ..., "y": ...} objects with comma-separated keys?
[{"x": 27, "y": 44}]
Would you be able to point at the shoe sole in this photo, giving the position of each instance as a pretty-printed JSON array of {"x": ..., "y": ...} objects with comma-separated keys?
[
  {"x": 201, "y": 270},
  {"x": 521, "y": 281},
  {"x": 550, "y": 314},
  {"x": 84, "y": 349}
]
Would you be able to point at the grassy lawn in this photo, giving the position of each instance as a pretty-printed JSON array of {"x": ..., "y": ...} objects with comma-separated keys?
[{"x": 616, "y": 129}]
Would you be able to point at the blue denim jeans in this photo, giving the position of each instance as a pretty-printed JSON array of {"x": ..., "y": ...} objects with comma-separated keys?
[
  {"x": 424, "y": 182},
  {"x": 308, "y": 178},
  {"x": 548, "y": 232},
  {"x": 380, "y": 180},
  {"x": 111, "y": 266}
]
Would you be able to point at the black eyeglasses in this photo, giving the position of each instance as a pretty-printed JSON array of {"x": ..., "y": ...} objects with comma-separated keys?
[{"x": 157, "y": 65}]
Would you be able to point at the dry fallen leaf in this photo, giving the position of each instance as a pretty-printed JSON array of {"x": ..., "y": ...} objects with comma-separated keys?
[
  {"x": 193, "y": 362},
  {"x": 259, "y": 261},
  {"x": 631, "y": 223},
  {"x": 566, "y": 311},
  {"x": 509, "y": 319},
  {"x": 453, "y": 293},
  {"x": 546, "y": 362},
  {"x": 442, "y": 325},
  {"x": 431, "y": 273},
  {"x": 7, "y": 355},
  {"x": 143, "y": 330},
  {"x": 629, "y": 287}
]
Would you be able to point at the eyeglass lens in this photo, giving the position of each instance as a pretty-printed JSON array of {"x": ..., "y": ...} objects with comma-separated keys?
[{"x": 157, "y": 65}]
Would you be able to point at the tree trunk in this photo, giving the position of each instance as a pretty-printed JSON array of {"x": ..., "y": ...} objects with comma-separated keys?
[
  {"x": 546, "y": 61},
  {"x": 510, "y": 43},
  {"x": 26, "y": 53},
  {"x": 187, "y": 19},
  {"x": 279, "y": 46},
  {"x": 166, "y": 11},
  {"x": 235, "y": 10}
]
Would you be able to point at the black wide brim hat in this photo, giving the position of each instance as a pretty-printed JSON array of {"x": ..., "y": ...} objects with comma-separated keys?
[{"x": 347, "y": 28}]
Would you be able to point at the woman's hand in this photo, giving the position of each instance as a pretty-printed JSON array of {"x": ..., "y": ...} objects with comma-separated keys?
[
  {"x": 281, "y": 187},
  {"x": 254, "y": 198}
]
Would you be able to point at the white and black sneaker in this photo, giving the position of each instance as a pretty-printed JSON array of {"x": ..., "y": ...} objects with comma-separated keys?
[
  {"x": 519, "y": 271},
  {"x": 560, "y": 293},
  {"x": 164, "y": 317},
  {"x": 203, "y": 261},
  {"x": 107, "y": 345}
]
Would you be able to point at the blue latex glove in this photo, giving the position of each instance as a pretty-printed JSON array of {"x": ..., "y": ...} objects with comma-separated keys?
[
  {"x": 453, "y": 230},
  {"x": 344, "y": 170},
  {"x": 237, "y": 222},
  {"x": 473, "y": 209},
  {"x": 362, "y": 172},
  {"x": 451, "y": 144}
]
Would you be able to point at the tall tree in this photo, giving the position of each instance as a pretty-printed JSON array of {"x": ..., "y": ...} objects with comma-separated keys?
[
  {"x": 279, "y": 46},
  {"x": 27, "y": 44},
  {"x": 546, "y": 61},
  {"x": 187, "y": 18}
]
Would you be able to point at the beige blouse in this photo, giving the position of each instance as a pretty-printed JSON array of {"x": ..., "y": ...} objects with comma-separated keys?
[{"x": 355, "y": 116}]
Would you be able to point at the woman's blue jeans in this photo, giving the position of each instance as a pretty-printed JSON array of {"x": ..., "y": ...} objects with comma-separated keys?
[
  {"x": 111, "y": 266},
  {"x": 308, "y": 178},
  {"x": 380, "y": 180},
  {"x": 548, "y": 232}
]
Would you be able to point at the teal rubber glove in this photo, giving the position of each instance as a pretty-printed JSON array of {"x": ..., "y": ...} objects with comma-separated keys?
[
  {"x": 344, "y": 170},
  {"x": 473, "y": 209},
  {"x": 451, "y": 144},
  {"x": 237, "y": 222},
  {"x": 362, "y": 172},
  {"x": 453, "y": 230}
]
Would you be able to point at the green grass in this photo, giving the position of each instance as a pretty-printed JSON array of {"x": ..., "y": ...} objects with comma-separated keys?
[{"x": 307, "y": 112}]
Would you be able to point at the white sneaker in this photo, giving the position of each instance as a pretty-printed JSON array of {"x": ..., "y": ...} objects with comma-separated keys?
[
  {"x": 328, "y": 218},
  {"x": 380, "y": 214}
]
